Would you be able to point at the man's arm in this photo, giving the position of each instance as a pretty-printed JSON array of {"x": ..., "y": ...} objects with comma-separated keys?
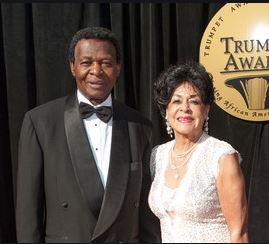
[
  {"x": 149, "y": 223},
  {"x": 30, "y": 186}
]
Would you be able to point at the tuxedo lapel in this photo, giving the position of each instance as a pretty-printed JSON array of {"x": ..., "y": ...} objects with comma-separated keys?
[
  {"x": 118, "y": 173},
  {"x": 81, "y": 155}
]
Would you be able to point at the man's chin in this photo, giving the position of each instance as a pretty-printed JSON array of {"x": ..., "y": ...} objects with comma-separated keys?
[{"x": 95, "y": 100}]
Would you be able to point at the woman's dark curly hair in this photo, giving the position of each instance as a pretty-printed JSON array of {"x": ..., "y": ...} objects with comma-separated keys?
[{"x": 190, "y": 72}]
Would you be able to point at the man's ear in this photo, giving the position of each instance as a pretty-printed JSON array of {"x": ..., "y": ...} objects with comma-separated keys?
[
  {"x": 118, "y": 70},
  {"x": 71, "y": 64}
]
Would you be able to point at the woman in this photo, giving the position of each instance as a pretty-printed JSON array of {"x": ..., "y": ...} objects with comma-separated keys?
[{"x": 198, "y": 190}]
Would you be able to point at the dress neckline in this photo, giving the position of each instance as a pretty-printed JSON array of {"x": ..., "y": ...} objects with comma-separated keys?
[{"x": 188, "y": 167}]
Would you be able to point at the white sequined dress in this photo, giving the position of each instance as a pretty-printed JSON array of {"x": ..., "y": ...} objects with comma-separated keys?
[{"x": 197, "y": 213}]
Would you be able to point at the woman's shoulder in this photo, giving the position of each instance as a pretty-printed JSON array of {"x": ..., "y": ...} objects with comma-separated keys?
[
  {"x": 160, "y": 151},
  {"x": 163, "y": 147},
  {"x": 157, "y": 156},
  {"x": 216, "y": 148},
  {"x": 218, "y": 144}
]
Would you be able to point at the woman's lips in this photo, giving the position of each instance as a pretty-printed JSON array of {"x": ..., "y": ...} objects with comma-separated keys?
[{"x": 185, "y": 119}]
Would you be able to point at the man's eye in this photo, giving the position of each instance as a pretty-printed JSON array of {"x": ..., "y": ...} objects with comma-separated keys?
[
  {"x": 107, "y": 64},
  {"x": 85, "y": 63}
]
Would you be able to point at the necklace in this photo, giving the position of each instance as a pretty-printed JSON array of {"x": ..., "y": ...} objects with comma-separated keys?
[
  {"x": 184, "y": 154},
  {"x": 177, "y": 168},
  {"x": 181, "y": 159}
]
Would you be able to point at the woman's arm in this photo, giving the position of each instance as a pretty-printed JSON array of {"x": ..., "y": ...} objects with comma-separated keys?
[{"x": 232, "y": 197}]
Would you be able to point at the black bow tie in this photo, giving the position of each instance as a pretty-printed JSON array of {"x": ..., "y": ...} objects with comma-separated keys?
[{"x": 104, "y": 113}]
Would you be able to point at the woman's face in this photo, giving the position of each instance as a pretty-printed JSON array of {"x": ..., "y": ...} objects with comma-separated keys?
[{"x": 185, "y": 112}]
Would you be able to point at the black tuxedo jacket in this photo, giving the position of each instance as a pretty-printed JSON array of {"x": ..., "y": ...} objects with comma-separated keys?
[{"x": 58, "y": 185}]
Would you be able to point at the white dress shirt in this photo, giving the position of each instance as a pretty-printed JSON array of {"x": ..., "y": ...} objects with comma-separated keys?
[{"x": 99, "y": 135}]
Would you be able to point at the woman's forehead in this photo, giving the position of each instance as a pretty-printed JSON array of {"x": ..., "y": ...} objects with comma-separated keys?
[{"x": 186, "y": 89}]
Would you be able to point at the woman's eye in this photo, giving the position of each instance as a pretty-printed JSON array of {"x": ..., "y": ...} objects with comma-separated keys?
[
  {"x": 176, "y": 101},
  {"x": 196, "y": 102}
]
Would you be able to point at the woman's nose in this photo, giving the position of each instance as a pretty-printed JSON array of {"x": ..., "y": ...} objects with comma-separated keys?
[{"x": 185, "y": 106}]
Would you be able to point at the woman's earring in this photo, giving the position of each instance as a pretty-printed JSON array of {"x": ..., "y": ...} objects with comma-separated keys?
[
  {"x": 206, "y": 125},
  {"x": 168, "y": 128}
]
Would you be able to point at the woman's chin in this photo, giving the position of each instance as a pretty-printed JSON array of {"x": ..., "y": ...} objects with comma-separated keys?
[{"x": 188, "y": 131}]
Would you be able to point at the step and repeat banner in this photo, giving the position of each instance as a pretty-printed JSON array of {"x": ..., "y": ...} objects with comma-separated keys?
[{"x": 235, "y": 50}]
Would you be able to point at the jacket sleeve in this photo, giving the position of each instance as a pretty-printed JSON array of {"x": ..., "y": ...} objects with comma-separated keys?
[
  {"x": 30, "y": 185},
  {"x": 149, "y": 223}
]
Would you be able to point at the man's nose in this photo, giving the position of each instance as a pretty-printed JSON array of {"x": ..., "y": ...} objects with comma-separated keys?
[{"x": 96, "y": 69}]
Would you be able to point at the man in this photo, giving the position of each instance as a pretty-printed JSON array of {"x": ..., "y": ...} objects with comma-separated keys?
[{"x": 82, "y": 179}]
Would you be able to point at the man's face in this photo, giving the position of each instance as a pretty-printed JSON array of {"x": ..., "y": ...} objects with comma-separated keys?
[{"x": 95, "y": 68}]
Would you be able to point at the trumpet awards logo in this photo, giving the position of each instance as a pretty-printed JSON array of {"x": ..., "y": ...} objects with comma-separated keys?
[{"x": 235, "y": 50}]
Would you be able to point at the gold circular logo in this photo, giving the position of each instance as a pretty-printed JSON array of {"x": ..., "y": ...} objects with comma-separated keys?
[{"x": 235, "y": 50}]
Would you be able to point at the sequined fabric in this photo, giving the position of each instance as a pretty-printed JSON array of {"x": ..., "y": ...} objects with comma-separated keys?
[{"x": 197, "y": 215}]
